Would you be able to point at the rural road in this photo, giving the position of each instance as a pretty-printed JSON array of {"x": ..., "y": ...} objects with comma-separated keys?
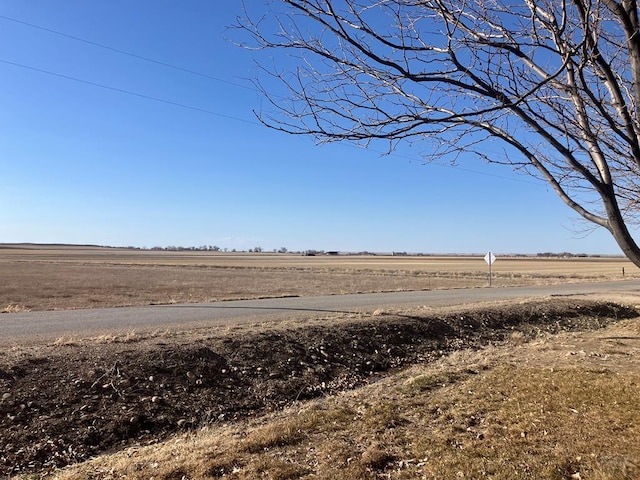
[{"x": 28, "y": 327}]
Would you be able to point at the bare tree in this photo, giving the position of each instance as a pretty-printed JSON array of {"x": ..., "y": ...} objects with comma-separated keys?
[{"x": 556, "y": 82}]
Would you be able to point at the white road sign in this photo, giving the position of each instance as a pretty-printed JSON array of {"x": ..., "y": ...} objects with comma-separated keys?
[{"x": 489, "y": 258}]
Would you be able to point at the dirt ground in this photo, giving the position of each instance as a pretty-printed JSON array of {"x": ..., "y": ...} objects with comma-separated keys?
[{"x": 64, "y": 403}]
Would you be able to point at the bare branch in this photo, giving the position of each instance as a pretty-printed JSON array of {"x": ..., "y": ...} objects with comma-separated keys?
[{"x": 556, "y": 82}]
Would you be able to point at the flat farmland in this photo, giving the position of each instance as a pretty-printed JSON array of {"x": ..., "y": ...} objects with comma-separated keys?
[
  {"x": 540, "y": 388},
  {"x": 34, "y": 277}
]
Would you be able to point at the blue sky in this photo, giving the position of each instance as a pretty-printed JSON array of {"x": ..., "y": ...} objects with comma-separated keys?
[{"x": 89, "y": 164}]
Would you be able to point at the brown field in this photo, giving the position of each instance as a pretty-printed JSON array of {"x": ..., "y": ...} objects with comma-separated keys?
[
  {"x": 50, "y": 278},
  {"x": 544, "y": 389}
]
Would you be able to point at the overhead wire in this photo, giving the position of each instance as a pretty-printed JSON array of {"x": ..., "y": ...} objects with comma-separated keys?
[
  {"x": 191, "y": 107},
  {"x": 127, "y": 92},
  {"x": 125, "y": 52}
]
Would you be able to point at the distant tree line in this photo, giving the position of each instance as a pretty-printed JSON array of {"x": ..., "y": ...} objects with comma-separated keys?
[
  {"x": 564, "y": 255},
  {"x": 209, "y": 248},
  {"x": 203, "y": 248}
]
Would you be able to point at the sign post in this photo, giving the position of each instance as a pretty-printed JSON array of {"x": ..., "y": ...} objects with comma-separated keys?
[{"x": 489, "y": 258}]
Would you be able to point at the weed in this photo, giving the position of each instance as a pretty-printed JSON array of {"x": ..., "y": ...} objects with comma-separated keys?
[
  {"x": 274, "y": 435},
  {"x": 15, "y": 309}
]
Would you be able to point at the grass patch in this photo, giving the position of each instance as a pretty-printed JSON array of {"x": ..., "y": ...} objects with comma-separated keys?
[
  {"x": 504, "y": 422},
  {"x": 15, "y": 308},
  {"x": 534, "y": 423},
  {"x": 273, "y": 435}
]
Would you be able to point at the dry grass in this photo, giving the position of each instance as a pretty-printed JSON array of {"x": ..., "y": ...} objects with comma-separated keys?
[
  {"x": 528, "y": 423},
  {"x": 49, "y": 279},
  {"x": 499, "y": 413},
  {"x": 131, "y": 336},
  {"x": 15, "y": 309}
]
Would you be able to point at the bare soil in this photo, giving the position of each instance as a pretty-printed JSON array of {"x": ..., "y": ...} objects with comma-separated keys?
[{"x": 64, "y": 403}]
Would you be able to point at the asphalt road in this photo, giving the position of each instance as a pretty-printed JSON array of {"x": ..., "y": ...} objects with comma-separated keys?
[{"x": 27, "y": 327}]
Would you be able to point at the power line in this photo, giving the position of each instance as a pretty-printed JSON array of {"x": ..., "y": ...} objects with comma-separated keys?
[
  {"x": 177, "y": 104},
  {"x": 128, "y": 92},
  {"x": 210, "y": 112},
  {"x": 192, "y": 72},
  {"x": 124, "y": 52}
]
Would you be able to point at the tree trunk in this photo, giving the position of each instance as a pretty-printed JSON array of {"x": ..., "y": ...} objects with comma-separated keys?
[{"x": 619, "y": 230}]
